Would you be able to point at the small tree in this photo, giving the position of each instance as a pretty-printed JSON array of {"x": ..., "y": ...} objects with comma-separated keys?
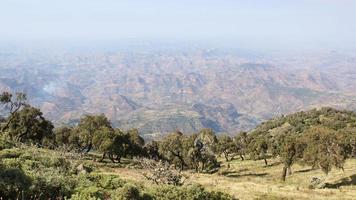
[
  {"x": 136, "y": 143},
  {"x": 347, "y": 137},
  {"x": 122, "y": 145},
  {"x": 241, "y": 142},
  {"x": 258, "y": 148},
  {"x": 172, "y": 148},
  {"x": 104, "y": 140},
  {"x": 87, "y": 128},
  {"x": 202, "y": 152},
  {"x": 291, "y": 150},
  {"x": 160, "y": 173},
  {"x": 29, "y": 125},
  {"x": 225, "y": 146},
  {"x": 13, "y": 105},
  {"x": 323, "y": 149},
  {"x": 152, "y": 150},
  {"x": 62, "y": 136}
]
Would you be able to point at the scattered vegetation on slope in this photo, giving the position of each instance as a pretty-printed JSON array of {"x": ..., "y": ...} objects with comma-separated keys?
[{"x": 41, "y": 163}]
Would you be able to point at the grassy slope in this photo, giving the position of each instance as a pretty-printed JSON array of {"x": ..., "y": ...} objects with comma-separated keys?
[
  {"x": 252, "y": 180},
  {"x": 244, "y": 179}
]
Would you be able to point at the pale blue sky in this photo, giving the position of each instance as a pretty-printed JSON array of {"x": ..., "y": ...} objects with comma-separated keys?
[{"x": 299, "y": 23}]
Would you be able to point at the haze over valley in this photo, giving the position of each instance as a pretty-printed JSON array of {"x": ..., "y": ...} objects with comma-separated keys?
[{"x": 166, "y": 89}]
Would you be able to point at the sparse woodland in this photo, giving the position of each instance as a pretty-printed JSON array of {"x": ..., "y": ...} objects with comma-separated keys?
[{"x": 39, "y": 161}]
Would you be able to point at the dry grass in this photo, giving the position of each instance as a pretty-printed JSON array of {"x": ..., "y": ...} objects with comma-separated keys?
[{"x": 252, "y": 180}]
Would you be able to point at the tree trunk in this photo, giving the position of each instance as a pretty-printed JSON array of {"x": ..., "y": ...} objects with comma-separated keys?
[
  {"x": 89, "y": 148},
  {"x": 266, "y": 163},
  {"x": 7, "y": 123},
  {"x": 353, "y": 154},
  {"x": 182, "y": 163},
  {"x": 242, "y": 158},
  {"x": 111, "y": 157},
  {"x": 118, "y": 158},
  {"x": 284, "y": 173},
  {"x": 102, "y": 158},
  {"x": 226, "y": 156},
  {"x": 289, "y": 171}
]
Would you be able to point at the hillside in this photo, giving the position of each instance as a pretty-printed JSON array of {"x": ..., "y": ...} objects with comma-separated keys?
[
  {"x": 157, "y": 92},
  {"x": 304, "y": 155},
  {"x": 299, "y": 122},
  {"x": 42, "y": 173}
]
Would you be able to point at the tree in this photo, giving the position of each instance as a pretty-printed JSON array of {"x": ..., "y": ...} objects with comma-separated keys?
[
  {"x": 172, "y": 148},
  {"x": 136, "y": 143},
  {"x": 152, "y": 150},
  {"x": 122, "y": 145},
  {"x": 291, "y": 150},
  {"x": 62, "y": 136},
  {"x": 347, "y": 137},
  {"x": 323, "y": 149},
  {"x": 208, "y": 138},
  {"x": 202, "y": 153},
  {"x": 258, "y": 148},
  {"x": 87, "y": 128},
  {"x": 104, "y": 141},
  {"x": 225, "y": 146},
  {"x": 160, "y": 173},
  {"x": 29, "y": 125},
  {"x": 76, "y": 142},
  {"x": 13, "y": 105},
  {"x": 241, "y": 142}
]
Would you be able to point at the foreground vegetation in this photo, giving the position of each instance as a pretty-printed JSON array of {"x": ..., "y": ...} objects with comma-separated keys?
[
  {"x": 250, "y": 179},
  {"x": 36, "y": 173},
  {"x": 40, "y": 162}
]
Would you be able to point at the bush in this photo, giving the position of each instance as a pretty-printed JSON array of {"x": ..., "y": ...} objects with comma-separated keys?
[
  {"x": 128, "y": 192},
  {"x": 83, "y": 196},
  {"x": 191, "y": 192},
  {"x": 161, "y": 173},
  {"x": 10, "y": 153},
  {"x": 12, "y": 182},
  {"x": 5, "y": 142}
]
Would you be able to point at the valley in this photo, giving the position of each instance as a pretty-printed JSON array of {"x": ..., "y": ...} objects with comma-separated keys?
[{"x": 161, "y": 91}]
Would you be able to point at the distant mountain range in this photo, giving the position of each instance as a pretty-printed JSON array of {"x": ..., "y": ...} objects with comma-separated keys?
[{"x": 160, "y": 92}]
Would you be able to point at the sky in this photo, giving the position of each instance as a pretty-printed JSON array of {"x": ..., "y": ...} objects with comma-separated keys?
[{"x": 254, "y": 23}]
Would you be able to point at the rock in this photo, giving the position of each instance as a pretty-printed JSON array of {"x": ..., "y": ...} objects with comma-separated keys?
[
  {"x": 316, "y": 183},
  {"x": 82, "y": 169}
]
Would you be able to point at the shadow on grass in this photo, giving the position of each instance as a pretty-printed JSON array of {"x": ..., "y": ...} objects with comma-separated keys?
[
  {"x": 247, "y": 175},
  {"x": 351, "y": 180},
  {"x": 304, "y": 170},
  {"x": 273, "y": 164},
  {"x": 227, "y": 173}
]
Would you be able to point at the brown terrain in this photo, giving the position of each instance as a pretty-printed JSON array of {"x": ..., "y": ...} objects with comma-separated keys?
[{"x": 159, "y": 92}]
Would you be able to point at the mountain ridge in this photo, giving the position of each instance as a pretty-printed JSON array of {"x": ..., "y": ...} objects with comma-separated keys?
[{"x": 158, "y": 92}]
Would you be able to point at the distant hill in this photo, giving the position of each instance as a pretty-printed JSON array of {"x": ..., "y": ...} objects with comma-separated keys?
[
  {"x": 301, "y": 121},
  {"x": 159, "y": 92}
]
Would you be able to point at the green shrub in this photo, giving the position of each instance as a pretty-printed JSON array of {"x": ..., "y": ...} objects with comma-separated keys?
[
  {"x": 97, "y": 186},
  {"x": 5, "y": 142},
  {"x": 128, "y": 192},
  {"x": 10, "y": 153},
  {"x": 83, "y": 196},
  {"x": 92, "y": 192},
  {"x": 190, "y": 192},
  {"x": 12, "y": 182}
]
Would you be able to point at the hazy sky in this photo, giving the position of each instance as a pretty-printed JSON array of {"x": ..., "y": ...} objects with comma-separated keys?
[{"x": 299, "y": 23}]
